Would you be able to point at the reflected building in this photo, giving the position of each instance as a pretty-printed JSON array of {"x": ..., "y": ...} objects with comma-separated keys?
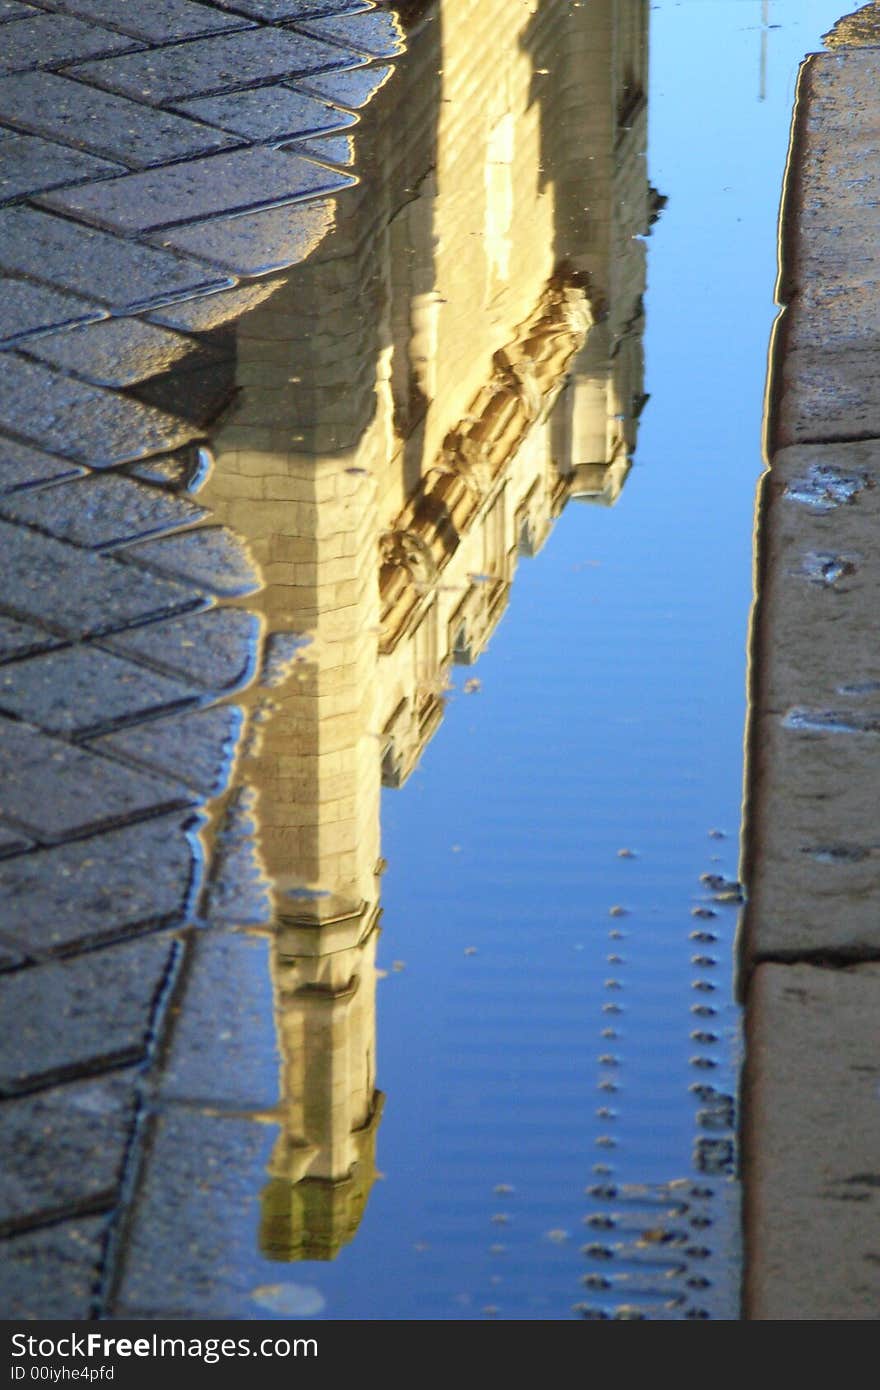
[{"x": 416, "y": 404}]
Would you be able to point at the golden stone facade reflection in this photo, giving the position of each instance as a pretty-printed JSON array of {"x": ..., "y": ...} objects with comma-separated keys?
[{"x": 458, "y": 360}]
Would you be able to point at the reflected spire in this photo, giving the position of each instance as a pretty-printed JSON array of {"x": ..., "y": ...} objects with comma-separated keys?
[{"x": 416, "y": 406}]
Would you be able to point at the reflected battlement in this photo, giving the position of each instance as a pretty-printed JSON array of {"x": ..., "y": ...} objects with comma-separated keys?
[{"x": 416, "y": 405}]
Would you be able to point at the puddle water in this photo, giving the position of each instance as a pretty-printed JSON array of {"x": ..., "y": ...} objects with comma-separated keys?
[{"x": 492, "y": 453}]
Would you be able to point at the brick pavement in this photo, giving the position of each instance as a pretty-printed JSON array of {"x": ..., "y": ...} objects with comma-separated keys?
[{"x": 159, "y": 163}]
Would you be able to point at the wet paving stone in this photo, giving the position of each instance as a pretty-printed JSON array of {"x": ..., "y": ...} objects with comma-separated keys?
[
  {"x": 198, "y": 748},
  {"x": 376, "y": 33},
  {"x": 27, "y": 308},
  {"x": 31, "y": 164},
  {"x": 52, "y": 1273},
  {"x": 22, "y": 466},
  {"x": 350, "y": 89},
  {"x": 23, "y": 639},
  {"x": 186, "y": 470},
  {"x": 92, "y": 1011},
  {"x": 101, "y": 510},
  {"x": 78, "y": 690},
  {"x": 54, "y": 790},
  {"x": 122, "y": 274},
  {"x": 216, "y": 648},
  {"x": 104, "y": 122},
  {"x": 335, "y": 149},
  {"x": 200, "y": 67},
  {"x": 120, "y": 352},
  {"x": 197, "y": 1196},
  {"x": 14, "y": 9},
  {"x": 238, "y": 890},
  {"x": 231, "y": 182},
  {"x": 258, "y": 242},
  {"x": 224, "y": 1048},
  {"x": 12, "y": 842},
  {"x": 213, "y": 310},
  {"x": 48, "y": 40},
  {"x": 267, "y": 113},
  {"x": 160, "y": 21},
  {"x": 212, "y": 557},
  {"x": 105, "y": 886},
  {"x": 64, "y": 1149},
  {"x": 88, "y": 423},
  {"x": 274, "y": 11},
  {"x": 79, "y": 593}
]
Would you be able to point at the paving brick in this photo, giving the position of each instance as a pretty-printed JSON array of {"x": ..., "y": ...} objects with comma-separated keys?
[
  {"x": 92, "y": 1011},
  {"x": 812, "y": 1192},
  {"x": 224, "y": 1047},
  {"x": 350, "y": 89},
  {"x": 64, "y": 1149},
  {"x": 103, "y": 122},
  {"x": 53, "y": 1273},
  {"x": 274, "y": 11},
  {"x": 31, "y": 164},
  {"x": 100, "y": 510},
  {"x": 13, "y": 842},
  {"x": 221, "y": 183},
  {"x": 160, "y": 21},
  {"x": 23, "y": 639},
  {"x": 122, "y": 274},
  {"x": 88, "y": 423},
  {"x": 276, "y": 112},
  {"x": 53, "y": 789},
  {"x": 47, "y": 40},
  {"x": 224, "y": 63},
  {"x": 186, "y": 470},
  {"x": 257, "y": 242},
  {"x": 216, "y": 648},
  {"x": 120, "y": 352},
  {"x": 197, "y": 748},
  {"x": 199, "y": 1196},
  {"x": 101, "y": 887},
  {"x": 13, "y": 9},
  {"x": 376, "y": 33},
  {"x": 335, "y": 149},
  {"x": 211, "y": 311},
  {"x": 79, "y": 690},
  {"x": 27, "y": 308},
  {"x": 77, "y": 593},
  {"x": 238, "y": 891},
  {"x": 23, "y": 466},
  {"x": 213, "y": 557}
]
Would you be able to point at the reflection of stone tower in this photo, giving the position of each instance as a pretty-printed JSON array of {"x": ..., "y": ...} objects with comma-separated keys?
[{"x": 404, "y": 433}]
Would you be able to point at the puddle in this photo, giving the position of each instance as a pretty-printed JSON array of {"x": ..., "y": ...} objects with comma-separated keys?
[{"x": 494, "y": 435}]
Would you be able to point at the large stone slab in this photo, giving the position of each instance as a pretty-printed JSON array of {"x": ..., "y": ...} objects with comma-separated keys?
[
  {"x": 811, "y": 1145},
  {"x": 104, "y": 122},
  {"x": 825, "y": 382},
  {"x": 101, "y": 887},
  {"x": 814, "y": 767},
  {"x": 84, "y": 1014},
  {"x": 222, "y": 183}
]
